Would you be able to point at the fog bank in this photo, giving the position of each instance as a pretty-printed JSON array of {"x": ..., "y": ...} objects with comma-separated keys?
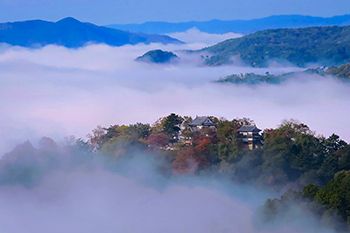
[
  {"x": 58, "y": 92},
  {"x": 128, "y": 196}
]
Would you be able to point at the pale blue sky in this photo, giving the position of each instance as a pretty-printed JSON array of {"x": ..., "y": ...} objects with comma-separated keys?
[{"x": 131, "y": 11}]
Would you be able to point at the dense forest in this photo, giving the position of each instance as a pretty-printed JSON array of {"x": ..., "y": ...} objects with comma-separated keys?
[
  {"x": 316, "y": 45},
  {"x": 291, "y": 159}
]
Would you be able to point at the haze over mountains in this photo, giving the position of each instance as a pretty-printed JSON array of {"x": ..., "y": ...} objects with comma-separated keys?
[
  {"x": 71, "y": 33},
  {"x": 238, "y": 26},
  {"x": 254, "y": 49},
  {"x": 302, "y": 47},
  {"x": 189, "y": 127}
]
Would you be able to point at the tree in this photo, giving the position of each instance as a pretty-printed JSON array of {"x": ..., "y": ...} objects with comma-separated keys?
[
  {"x": 292, "y": 149},
  {"x": 336, "y": 195},
  {"x": 337, "y": 157},
  {"x": 333, "y": 144},
  {"x": 310, "y": 191},
  {"x": 344, "y": 158},
  {"x": 96, "y": 139},
  {"x": 122, "y": 146},
  {"x": 139, "y": 130},
  {"x": 158, "y": 139},
  {"x": 171, "y": 126},
  {"x": 228, "y": 142}
]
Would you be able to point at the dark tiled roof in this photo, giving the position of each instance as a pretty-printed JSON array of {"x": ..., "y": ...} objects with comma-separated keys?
[
  {"x": 249, "y": 128},
  {"x": 202, "y": 121}
]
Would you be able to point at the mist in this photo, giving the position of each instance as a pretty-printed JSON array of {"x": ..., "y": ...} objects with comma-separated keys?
[
  {"x": 59, "y": 92},
  {"x": 195, "y": 36},
  {"x": 129, "y": 194}
]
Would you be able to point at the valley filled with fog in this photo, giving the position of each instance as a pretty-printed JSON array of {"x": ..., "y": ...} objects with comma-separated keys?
[
  {"x": 57, "y": 92},
  {"x": 187, "y": 116},
  {"x": 58, "y": 174}
]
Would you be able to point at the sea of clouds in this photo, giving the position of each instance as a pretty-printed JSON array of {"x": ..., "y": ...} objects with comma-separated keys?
[{"x": 57, "y": 92}]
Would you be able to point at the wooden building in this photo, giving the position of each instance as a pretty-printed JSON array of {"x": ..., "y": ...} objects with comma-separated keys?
[
  {"x": 250, "y": 136},
  {"x": 202, "y": 122}
]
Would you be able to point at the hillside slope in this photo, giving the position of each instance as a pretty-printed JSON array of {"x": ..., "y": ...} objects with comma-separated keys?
[
  {"x": 303, "y": 46},
  {"x": 342, "y": 71}
]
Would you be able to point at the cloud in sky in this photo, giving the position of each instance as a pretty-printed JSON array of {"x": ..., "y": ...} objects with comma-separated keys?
[{"x": 59, "y": 92}]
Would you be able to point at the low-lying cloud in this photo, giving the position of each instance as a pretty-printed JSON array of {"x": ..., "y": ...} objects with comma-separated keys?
[
  {"x": 57, "y": 92},
  {"x": 195, "y": 36},
  {"x": 128, "y": 195}
]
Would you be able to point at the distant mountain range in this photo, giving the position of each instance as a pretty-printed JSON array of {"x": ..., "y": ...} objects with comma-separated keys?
[
  {"x": 71, "y": 33},
  {"x": 315, "y": 45},
  {"x": 238, "y": 26}
]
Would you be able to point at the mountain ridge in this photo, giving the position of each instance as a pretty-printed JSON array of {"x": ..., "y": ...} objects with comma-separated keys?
[
  {"x": 72, "y": 33},
  {"x": 238, "y": 26}
]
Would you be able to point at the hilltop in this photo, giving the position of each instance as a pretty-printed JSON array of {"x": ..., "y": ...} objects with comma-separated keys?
[{"x": 158, "y": 56}]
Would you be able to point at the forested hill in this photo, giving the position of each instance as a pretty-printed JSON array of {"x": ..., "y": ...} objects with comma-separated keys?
[
  {"x": 303, "y": 46},
  {"x": 71, "y": 33},
  {"x": 158, "y": 56},
  {"x": 341, "y": 73}
]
